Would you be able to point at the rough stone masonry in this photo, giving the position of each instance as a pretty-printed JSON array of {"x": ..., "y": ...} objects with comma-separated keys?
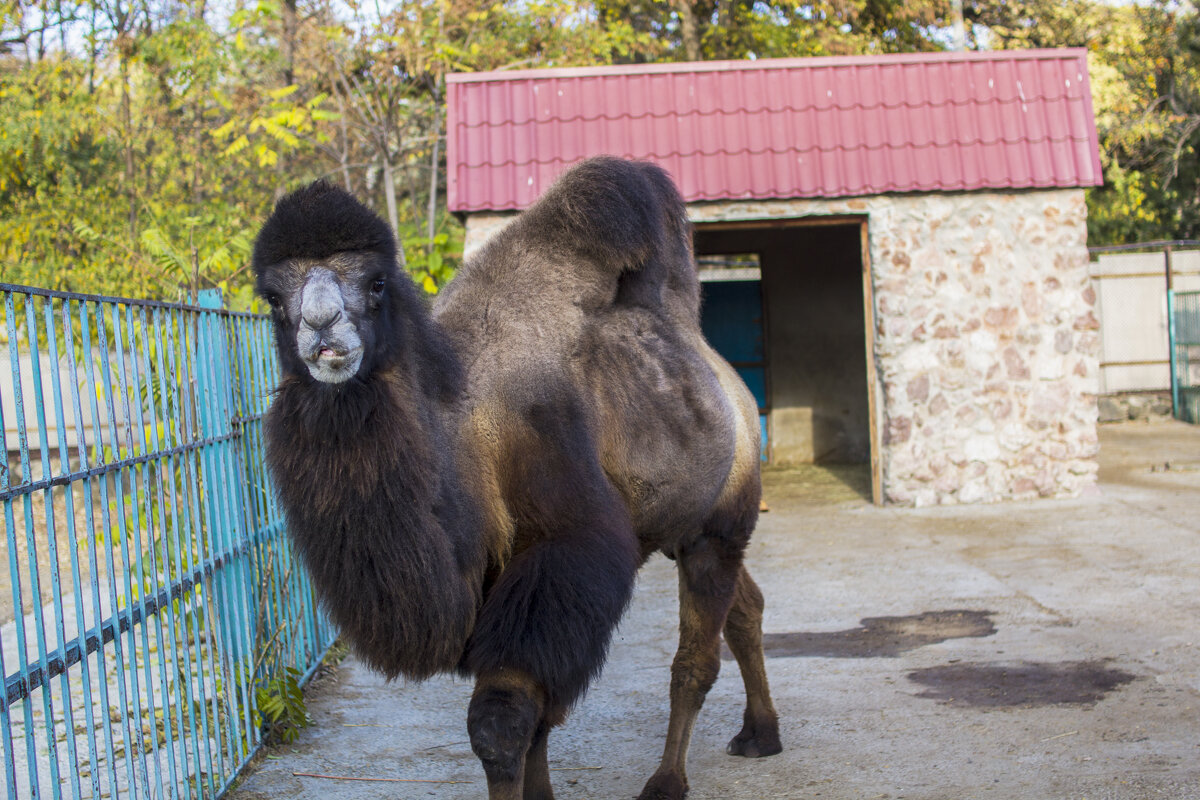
[{"x": 987, "y": 346}]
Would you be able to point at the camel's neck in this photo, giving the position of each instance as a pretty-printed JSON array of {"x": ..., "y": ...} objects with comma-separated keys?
[{"x": 367, "y": 475}]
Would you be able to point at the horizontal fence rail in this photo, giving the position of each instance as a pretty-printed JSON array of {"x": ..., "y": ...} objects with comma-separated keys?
[{"x": 150, "y": 606}]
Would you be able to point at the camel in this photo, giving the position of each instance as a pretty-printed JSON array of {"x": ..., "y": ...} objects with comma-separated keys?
[{"x": 473, "y": 487}]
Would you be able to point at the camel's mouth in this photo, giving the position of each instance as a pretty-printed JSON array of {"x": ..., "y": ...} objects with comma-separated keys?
[{"x": 329, "y": 365}]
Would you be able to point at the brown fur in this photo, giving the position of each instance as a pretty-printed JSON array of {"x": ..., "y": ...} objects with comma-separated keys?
[{"x": 480, "y": 492}]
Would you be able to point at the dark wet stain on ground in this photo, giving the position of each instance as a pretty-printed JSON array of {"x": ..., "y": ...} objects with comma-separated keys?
[
  {"x": 881, "y": 637},
  {"x": 1026, "y": 684}
]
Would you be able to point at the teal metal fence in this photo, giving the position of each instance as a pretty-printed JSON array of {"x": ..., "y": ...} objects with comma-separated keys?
[
  {"x": 152, "y": 606},
  {"x": 1184, "y": 337}
]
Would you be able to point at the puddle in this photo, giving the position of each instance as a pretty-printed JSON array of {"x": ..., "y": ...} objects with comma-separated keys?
[
  {"x": 1023, "y": 684},
  {"x": 881, "y": 637}
]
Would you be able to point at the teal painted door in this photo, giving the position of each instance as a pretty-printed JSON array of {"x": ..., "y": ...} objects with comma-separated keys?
[{"x": 731, "y": 315}]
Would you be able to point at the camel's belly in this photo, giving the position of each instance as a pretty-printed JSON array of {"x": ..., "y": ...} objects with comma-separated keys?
[{"x": 692, "y": 450}]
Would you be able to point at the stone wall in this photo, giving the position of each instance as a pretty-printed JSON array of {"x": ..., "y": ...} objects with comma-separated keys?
[{"x": 986, "y": 339}]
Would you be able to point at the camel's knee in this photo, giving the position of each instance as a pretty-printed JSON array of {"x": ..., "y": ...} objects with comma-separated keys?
[
  {"x": 745, "y": 614},
  {"x": 502, "y": 719},
  {"x": 695, "y": 670}
]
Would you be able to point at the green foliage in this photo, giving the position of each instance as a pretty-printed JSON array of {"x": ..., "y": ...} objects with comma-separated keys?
[
  {"x": 432, "y": 262},
  {"x": 1145, "y": 73},
  {"x": 1131, "y": 206},
  {"x": 141, "y": 147},
  {"x": 280, "y": 711}
]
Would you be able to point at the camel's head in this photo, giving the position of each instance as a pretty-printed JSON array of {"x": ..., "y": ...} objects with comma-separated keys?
[{"x": 327, "y": 265}]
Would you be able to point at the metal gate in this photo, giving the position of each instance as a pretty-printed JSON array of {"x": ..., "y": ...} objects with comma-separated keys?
[
  {"x": 153, "y": 608},
  {"x": 1185, "y": 354}
]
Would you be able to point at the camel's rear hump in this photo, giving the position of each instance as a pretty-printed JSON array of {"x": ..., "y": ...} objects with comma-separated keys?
[{"x": 623, "y": 219}]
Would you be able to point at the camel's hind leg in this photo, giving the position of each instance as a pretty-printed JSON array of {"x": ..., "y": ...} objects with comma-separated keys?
[
  {"x": 707, "y": 583},
  {"x": 743, "y": 632}
]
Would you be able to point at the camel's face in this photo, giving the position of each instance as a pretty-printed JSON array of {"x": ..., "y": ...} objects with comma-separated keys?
[{"x": 326, "y": 312}]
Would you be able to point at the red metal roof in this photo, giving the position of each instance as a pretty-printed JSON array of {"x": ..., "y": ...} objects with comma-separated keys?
[{"x": 781, "y": 128}]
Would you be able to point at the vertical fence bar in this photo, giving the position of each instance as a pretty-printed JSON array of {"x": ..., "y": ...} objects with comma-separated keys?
[
  {"x": 90, "y": 528},
  {"x": 10, "y": 324},
  {"x": 56, "y": 578},
  {"x": 196, "y": 558},
  {"x": 206, "y": 552},
  {"x": 223, "y": 600},
  {"x": 127, "y": 677},
  {"x": 241, "y": 555},
  {"x": 1171, "y": 338},
  {"x": 94, "y": 391},
  {"x": 145, "y": 556},
  {"x": 176, "y": 651},
  {"x": 10, "y": 756}
]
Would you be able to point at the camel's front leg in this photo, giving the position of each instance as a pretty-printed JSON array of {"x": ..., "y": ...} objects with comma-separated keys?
[
  {"x": 504, "y": 720},
  {"x": 537, "y": 765}
]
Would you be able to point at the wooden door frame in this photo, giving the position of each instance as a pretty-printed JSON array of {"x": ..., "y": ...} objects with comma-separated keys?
[{"x": 874, "y": 390}]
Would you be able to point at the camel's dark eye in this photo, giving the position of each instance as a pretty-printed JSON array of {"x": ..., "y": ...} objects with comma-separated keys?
[{"x": 378, "y": 285}]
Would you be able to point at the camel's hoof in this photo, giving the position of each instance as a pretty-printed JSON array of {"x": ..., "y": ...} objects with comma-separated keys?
[
  {"x": 665, "y": 786},
  {"x": 752, "y": 744}
]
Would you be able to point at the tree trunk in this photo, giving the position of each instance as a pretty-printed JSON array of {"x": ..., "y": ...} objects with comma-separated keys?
[
  {"x": 389, "y": 192},
  {"x": 130, "y": 166},
  {"x": 93, "y": 52},
  {"x": 290, "y": 26},
  {"x": 688, "y": 29},
  {"x": 431, "y": 217},
  {"x": 288, "y": 45},
  {"x": 344, "y": 155},
  {"x": 437, "y": 91}
]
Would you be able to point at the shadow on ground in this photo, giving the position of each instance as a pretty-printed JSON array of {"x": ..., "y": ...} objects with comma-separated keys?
[
  {"x": 881, "y": 637},
  {"x": 1027, "y": 684}
]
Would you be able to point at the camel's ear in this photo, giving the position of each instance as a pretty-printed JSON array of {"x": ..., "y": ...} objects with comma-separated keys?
[{"x": 317, "y": 221}]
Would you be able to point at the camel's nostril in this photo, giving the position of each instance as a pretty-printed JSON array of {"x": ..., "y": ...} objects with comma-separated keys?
[{"x": 321, "y": 318}]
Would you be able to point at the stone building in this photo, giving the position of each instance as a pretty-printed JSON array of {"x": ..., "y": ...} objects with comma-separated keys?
[{"x": 893, "y": 248}]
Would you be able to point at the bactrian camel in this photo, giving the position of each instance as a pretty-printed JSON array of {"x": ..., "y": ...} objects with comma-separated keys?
[{"x": 473, "y": 488}]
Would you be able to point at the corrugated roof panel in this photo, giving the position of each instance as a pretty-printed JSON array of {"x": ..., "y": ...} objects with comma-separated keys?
[{"x": 823, "y": 127}]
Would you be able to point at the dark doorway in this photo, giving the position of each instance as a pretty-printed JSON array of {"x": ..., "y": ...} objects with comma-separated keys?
[{"x": 815, "y": 380}]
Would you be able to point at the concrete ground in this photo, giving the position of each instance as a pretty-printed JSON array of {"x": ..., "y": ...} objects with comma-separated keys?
[{"x": 1030, "y": 650}]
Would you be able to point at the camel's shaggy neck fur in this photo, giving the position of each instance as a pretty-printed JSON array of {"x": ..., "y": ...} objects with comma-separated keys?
[{"x": 377, "y": 510}]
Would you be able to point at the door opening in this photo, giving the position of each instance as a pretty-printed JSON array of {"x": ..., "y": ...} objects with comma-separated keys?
[{"x": 816, "y": 372}]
